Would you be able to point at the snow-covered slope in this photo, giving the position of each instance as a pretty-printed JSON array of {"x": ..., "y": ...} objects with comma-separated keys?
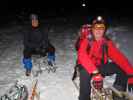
[{"x": 52, "y": 86}]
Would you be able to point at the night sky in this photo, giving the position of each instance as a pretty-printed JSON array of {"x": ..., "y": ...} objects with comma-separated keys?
[{"x": 58, "y": 8}]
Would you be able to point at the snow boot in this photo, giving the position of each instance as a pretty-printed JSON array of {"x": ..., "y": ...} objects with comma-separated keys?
[{"x": 28, "y": 72}]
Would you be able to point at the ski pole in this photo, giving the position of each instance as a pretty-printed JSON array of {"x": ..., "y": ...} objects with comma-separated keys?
[{"x": 33, "y": 93}]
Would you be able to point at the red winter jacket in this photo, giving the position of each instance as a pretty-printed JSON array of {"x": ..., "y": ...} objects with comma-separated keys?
[{"x": 91, "y": 58}]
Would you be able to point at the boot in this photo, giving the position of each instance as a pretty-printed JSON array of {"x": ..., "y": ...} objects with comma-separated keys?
[
  {"x": 28, "y": 72},
  {"x": 50, "y": 63}
]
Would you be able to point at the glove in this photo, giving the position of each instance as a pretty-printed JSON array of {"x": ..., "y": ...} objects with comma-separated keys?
[
  {"x": 97, "y": 81},
  {"x": 85, "y": 31}
]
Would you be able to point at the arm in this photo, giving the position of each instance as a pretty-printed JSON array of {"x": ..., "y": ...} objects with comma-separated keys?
[
  {"x": 119, "y": 58},
  {"x": 77, "y": 44},
  {"x": 84, "y": 58}
]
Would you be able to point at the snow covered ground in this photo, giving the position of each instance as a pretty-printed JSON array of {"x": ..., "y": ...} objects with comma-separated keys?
[{"x": 52, "y": 86}]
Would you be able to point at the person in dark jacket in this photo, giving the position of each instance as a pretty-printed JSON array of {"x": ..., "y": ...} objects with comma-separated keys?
[
  {"x": 94, "y": 56},
  {"x": 35, "y": 42}
]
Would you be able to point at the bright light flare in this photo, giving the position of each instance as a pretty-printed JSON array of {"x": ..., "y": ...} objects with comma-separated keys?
[
  {"x": 99, "y": 18},
  {"x": 83, "y": 5}
]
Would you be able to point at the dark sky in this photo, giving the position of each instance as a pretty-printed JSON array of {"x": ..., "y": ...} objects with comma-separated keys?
[{"x": 65, "y": 7}]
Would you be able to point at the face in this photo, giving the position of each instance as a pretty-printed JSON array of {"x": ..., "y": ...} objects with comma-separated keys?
[
  {"x": 98, "y": 33},
  {"x": 35, "y": 23}
]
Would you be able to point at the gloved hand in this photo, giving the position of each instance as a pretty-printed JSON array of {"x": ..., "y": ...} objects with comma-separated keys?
[
  {"x": 97, "y": 81},
  {"x": 85, "y": 31}
]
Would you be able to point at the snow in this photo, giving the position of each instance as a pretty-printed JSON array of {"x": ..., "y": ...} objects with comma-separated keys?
[{"x": 52, "y": 86}]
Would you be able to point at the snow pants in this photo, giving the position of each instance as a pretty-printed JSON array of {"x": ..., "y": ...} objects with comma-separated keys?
[{"x": 105, "y": 70}]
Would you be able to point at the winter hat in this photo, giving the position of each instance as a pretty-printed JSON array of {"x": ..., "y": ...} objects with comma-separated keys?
[{"x": 34, "y": 17}]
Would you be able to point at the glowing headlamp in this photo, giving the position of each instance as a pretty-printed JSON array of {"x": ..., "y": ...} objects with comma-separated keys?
[{"x": 99, "y": 18}]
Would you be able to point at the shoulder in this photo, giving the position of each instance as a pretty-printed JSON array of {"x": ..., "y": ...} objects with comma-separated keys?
[{"x": 112, "y": 44}]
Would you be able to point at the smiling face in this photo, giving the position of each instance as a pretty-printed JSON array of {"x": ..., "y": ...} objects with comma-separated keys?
[
  {"x": 98, "y": 31},
  {"x": 35, "y": 23}
]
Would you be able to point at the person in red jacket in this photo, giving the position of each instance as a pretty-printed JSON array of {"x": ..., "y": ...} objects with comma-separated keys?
[{"x": 99, "y": 57}]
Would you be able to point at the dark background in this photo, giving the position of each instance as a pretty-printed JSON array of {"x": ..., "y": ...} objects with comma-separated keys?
[{"x": 18, "y": 9}]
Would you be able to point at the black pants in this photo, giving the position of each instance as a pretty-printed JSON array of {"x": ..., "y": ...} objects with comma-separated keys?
[
  {"x": 28, "y": 51},
  {"x": 106, "y": 70}
]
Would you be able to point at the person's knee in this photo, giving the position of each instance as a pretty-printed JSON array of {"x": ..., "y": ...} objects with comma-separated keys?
[
  {"x": 85, "y": 87},
  {"x": 84, "y": 96},
  {"x": 27, "y": 53}
]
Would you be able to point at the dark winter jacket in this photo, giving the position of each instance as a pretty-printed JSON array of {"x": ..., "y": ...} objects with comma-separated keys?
[{"x": 35, "y": 38}]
